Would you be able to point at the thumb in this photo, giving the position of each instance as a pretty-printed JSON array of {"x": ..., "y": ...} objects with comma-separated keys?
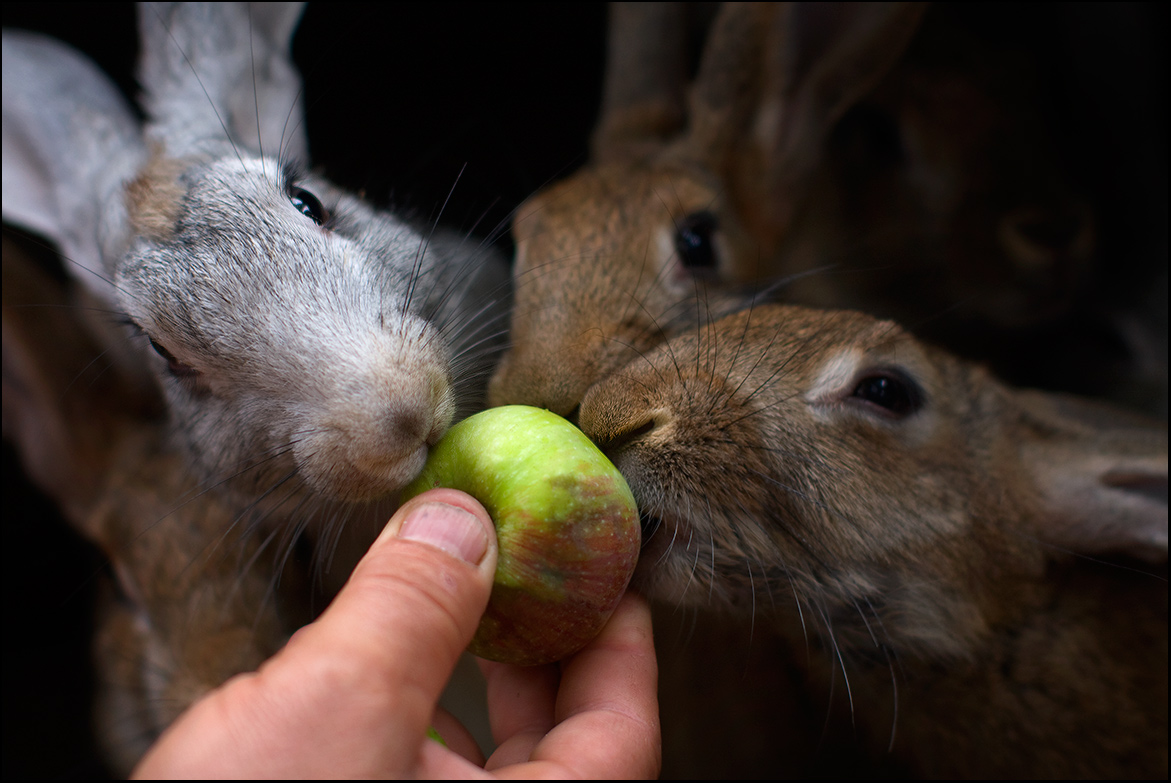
[
  {"x": 352, "y": 694},
  {"x": 414, "y": 601}
]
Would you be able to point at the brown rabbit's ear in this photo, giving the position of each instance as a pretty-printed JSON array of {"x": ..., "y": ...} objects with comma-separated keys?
[
  {"x": 645, "y": 82},
  {"x": 1101, "y": 476},
  {"x": 69, "y": 384},
  {"x": 819, "y": 60},
  {"x": 727, "y": 88}
]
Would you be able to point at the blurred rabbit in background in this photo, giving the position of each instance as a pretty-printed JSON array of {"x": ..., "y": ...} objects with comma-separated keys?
[{"x": 893, "y": 158}]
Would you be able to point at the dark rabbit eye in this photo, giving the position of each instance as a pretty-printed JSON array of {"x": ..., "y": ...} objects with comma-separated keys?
[
  {"x": 174, "y": 366},
  {"x": 309, "y": 205},
  {"x": 694, "y": 242},
  {"x": 895, "y": 394}
]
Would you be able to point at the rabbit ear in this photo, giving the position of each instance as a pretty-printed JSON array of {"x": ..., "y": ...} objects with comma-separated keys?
[
  {"x": 727, "y": 88},
  {"x": 211, "y": 70},
  {"x": 1102, "y": 476},
  {"x": 643, "y": 92},
  {"x": 70, "y": 142},
  {"x": 818, "y": 60},
  {"x": 70, "y": 386}
]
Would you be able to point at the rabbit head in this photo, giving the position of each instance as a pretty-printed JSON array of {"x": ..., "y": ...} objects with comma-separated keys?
[
  {"x": 826, "y": 475},
  {"x": 302, "y": 339},
  {"x": 830, "y": 151},
  {"x": 586, "y": 310},
  {"x": 833, "y": 452},
  {"x": 911, "y": 525}
]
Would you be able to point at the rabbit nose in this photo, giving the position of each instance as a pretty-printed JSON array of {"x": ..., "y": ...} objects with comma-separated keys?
[
  {"x": 613, "y": 431},
  {"x": 612, "y": 447},
  {"x": 410, "y": 428}
]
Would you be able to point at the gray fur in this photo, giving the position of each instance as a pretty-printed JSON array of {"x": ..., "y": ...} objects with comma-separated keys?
[{"x": 320, "y": 359}]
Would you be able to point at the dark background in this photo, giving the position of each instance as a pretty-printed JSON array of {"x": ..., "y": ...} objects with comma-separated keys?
[{"x": 400, "y": 99}]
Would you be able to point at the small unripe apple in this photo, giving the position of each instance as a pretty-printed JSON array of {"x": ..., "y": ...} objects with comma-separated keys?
[{"x": 566, "y": 523}]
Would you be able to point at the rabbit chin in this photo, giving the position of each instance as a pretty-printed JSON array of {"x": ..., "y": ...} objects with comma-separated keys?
[
  {"x": 675, "y": 568},
  {"x": 351, "y": 478}
]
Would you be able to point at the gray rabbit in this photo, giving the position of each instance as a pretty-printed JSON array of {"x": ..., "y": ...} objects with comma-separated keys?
[{"x": 308, "y": 348}]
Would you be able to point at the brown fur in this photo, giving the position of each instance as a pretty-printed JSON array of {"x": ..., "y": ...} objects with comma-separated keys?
[
  {"x": 868, "y": 156},
  {"x": 194, "y": 599},
  {"x": 566, "y": 338},
  {"x": 154, "y": 199},
  {"x": 931, "y": 558}
]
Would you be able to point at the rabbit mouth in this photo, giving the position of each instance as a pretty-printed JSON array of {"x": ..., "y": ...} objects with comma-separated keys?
[
  {"x": 650, "y": 525},
  {"x": 659, "y": 551},
  {"x": 654, "y": 544}
]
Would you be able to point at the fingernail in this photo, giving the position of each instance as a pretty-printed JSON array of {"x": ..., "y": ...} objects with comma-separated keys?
[{"x": 449, "y": 528}]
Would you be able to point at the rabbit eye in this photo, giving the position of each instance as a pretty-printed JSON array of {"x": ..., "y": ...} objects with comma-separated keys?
[
  {"x": 308, "y": 205},
  {"x": 693, "y": 241},
  {"x": 893, "y": 393},
  {"x": 174, "y": 366}
]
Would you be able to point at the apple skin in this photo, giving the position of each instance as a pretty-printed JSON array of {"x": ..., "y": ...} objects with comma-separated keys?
[{"x": 566, "y": 523}]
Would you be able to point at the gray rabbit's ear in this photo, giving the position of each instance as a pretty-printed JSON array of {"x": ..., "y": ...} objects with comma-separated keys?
[
  {"x": 70, "y": 143},
  {"x": 644, "y": 92},
  {"x": 212, "y": 71},
  {"x": 1101, "y": 475}
]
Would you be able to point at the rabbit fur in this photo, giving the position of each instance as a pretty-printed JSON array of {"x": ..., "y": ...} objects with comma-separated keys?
[
  {"x": 191, "y": 601},
  {"x": 694, "y": 190},
  {"x": 939, "y": 541},
  {"x": 302, "y": 339},
  {"x": 867, "y": 156}
]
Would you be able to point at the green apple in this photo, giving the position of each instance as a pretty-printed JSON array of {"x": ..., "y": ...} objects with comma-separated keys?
[{"x": 565, "y": 520}]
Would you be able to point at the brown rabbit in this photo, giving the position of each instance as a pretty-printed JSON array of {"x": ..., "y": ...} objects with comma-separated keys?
[
  {"x": 927, "y": 536},
  {"x": 195, "y": 599},
  {"x": 873, "y": 156}
]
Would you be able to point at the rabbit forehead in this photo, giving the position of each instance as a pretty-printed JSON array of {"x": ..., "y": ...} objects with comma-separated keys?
[
  {"x": 246, "y": 268},
  {"x": 608, "y": 206}
]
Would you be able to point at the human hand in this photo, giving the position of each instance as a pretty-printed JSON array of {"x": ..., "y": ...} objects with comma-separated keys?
[{"x": 353, "y": 693}]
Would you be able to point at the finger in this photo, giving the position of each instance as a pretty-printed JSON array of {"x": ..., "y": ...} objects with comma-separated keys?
[
  {"x": 456, "y": 737},
  {"x": 607, "y": 708},
  {"x": 414, "y": 601},
  {"x": 361, "y": 683},
  {"x": 521, "y": 702}
]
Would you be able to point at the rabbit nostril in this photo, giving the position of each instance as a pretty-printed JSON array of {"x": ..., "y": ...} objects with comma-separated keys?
[
  {"x": 408, "y": 428},
  {"x": 613, "y": 445}
]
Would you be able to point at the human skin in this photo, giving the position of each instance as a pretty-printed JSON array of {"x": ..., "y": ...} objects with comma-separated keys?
[{"x": 354, "y": 693}]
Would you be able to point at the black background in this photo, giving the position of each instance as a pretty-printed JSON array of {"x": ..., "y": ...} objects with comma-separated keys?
[{"x": 401, "y": 98}]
